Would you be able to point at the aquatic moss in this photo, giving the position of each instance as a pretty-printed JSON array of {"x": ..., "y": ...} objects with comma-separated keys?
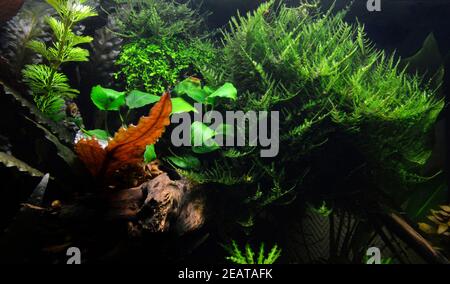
[
  {"x": 340, "y": 100},
  {"x": 155, "y": 64},
  {"x": 137, "y": 19}
]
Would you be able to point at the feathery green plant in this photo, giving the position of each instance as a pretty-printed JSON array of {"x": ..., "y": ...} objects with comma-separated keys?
[
  {"x": 136, "y": 19},
  {"x": 49, "y": 86},
  {"x": 333, "y": 89},
  {"x": 248, "y": 256}
]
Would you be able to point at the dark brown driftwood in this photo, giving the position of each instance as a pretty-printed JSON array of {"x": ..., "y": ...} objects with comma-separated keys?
[{"x": 161, "y": 205}]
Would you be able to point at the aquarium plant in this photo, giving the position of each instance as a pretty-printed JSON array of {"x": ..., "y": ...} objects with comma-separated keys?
[
  {"x": 50, "y": 88},
  {"x": 136, "y": 19},
  {"x": 104, "y": 158},
  {"x": 249, "y": 256},
  {"x": 334, "y": 90},
  {"x": 153, "y": 65}
]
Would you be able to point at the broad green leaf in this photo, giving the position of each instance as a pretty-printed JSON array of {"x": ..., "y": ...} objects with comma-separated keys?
[
  {"x": 200, "y": 132},
  {"x": 185, "y": 162},
  {"x": 225, "y": 129},
  {"x": 150, "y": 154},
  {"x": 137, "y": 99},
  {"x": 107, "y": 99},
  {"x": 179, "y": 105},
  {"x": 227, "y": 91},
  {"x": 213, "y": 146},
  {"x": 208, "y": 90},
  {"x": 193, "y": 89},
  {"x": 98, "y": 133}
]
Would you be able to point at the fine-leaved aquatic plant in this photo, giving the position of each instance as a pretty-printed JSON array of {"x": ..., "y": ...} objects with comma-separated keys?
[
  {"x": 135, "y": 19},
  {"x": 155, "y": 65},
  {"x": 50, "y": 88},
  {"x": 249, "y": 256},
  {"x": 333, "y": 89}
]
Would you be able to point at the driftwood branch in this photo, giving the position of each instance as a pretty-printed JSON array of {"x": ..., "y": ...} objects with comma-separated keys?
[
  {"x": 161, "y": 205},
  {"x": 399, "y": 226}
]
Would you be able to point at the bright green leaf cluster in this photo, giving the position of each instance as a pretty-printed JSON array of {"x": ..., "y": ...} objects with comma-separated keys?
[
  {"x": 185, "y": 162},
  {"x": 107, "y": 99},
  {"x": 248, "y": 256},
  {"x": 150, "y": 154},
  {"x": 48, "y": 85},
  {"x": 98, "y": 133},
  {"x": 156, "y": 18},
  {"x": 334, "y": 90},
  {"x": 205, "y": 95},
  {"x": 154, "y": 65}
]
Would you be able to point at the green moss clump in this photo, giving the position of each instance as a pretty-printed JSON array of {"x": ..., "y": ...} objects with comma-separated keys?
[
  {"x": 136, "y": 19},
  {"x": 155, "y": 64},
  {"x": 346, "y": 109}
]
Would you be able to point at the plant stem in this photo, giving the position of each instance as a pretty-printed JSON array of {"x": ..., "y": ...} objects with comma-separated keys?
[
  {"x": 106, "y": 122},
  {"x": 55, "y": 65},
  {"x": 121, "y": 119}
]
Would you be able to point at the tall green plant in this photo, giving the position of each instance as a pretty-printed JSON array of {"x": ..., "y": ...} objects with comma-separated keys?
[
  {"x": 49, "y": 86},
  {"x": 334, "y": 91}
]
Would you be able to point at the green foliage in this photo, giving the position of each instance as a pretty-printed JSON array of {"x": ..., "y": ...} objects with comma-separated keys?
[
  {"x": 185, "y": 162},
  {"x": 217, "y": 172},
  {"x": 202, "y": 138},
  {"x": 323, "y": 210},
  {"x": 107, "y": 99},
  {"x": 49, "y": 86},
  {"x": 100, "y": 134},
  {"x": 179, "y": 105},
  {"x": 154, "y": 65},
  {"x": 248, "y": 256},
  {"x": 205, "y": 94},
  {"x": 149, "y": 18},
  {"x": 202, "y": 135},
  {"x": 56, "y": 129},
  {"x": 138, "y": 99},
  {"x": 150, "y": 154},
  {"x": 332, "y": 88}
]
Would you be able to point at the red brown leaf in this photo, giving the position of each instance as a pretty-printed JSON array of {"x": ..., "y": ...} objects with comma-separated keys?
[
  {"x": 92, "y": 155},
  {"x": 128, "y": 145}
]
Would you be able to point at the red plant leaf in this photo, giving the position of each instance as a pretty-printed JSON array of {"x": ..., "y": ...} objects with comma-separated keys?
[
  {"x": 128, "y": 145},
  {"x": 92, "y": 155}
]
